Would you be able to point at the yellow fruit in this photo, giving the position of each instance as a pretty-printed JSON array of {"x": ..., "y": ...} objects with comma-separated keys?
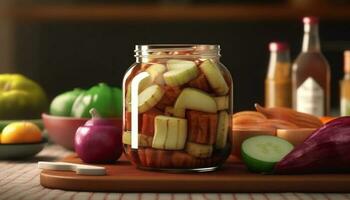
[
  {"x": 170, "y": 133},
  {"x": 21, "y": 132},
  {"x": 194, "y": 99},
  {"x": 215, "y": 78},
  {"x": 180, "y": 72},
  {"x": 150, "y": 97}
]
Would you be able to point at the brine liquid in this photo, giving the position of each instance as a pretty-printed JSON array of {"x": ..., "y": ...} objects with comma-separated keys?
[{"x": 201, "y": 127}]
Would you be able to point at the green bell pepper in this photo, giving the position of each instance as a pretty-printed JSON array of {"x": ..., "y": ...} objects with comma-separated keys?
[
  {"x": 62, "y": 104},
  {"x": 77, "y": 103},
  {"x": 106, "y": 100},
  {"x": 21, "y": 98}
]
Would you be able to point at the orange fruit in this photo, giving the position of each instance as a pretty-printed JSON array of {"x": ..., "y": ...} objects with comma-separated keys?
[
  {"x": 21, "y": 132},
  {"x": 326, "y": 119}
]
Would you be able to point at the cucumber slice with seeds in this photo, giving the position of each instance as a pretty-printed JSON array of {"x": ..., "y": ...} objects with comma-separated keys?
[{"x": 261, "y": 153}]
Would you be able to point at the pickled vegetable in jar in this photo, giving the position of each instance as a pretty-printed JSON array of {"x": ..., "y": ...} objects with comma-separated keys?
[{"x": 177, "y": 108}]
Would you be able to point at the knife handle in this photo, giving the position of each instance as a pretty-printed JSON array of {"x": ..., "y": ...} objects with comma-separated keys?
[{"x": 77, "y": 168}]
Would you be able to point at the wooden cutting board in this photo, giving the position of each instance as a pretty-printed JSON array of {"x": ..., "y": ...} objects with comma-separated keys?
[{"x": 233, "y": 177}]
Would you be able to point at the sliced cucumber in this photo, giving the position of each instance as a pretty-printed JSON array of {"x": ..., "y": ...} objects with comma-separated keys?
[{"x": 261, "y": 153}]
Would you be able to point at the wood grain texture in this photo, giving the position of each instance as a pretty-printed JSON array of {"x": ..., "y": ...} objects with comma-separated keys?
[
  {"x": 233, "y": 177},
  {"x": 20, "y": 180},
  {"x": 146, "y": 12}
]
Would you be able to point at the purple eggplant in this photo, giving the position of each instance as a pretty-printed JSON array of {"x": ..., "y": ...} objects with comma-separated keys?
[{"x": 326, "y": 150}]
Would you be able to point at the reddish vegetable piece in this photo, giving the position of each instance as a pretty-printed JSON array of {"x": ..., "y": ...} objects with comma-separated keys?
[
  {"x": 201, "y": 83},
  {"x": 202, "y": 127},
  {"x": 169, "y": 97},
  {"x": 128, "y": 121},
  {"x": 326, "y": 150},
  {"x": 148, "y": 122}
]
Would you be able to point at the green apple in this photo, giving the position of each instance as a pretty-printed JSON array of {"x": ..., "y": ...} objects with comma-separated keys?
[{"x": 62, "y": 104}]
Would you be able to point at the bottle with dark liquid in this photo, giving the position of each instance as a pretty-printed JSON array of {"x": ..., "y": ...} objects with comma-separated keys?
[
  {"x": 278, "y": 79},
  {"x": 311, "y": 74}
]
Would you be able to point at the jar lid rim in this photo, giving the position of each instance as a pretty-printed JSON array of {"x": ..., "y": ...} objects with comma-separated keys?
[
  {"x": 150, "y": 47},
  {"x": 177, "y": 50}
]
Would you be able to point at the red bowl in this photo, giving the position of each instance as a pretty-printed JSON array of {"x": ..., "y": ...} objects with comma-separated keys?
[{"x": 62, "y": 130}]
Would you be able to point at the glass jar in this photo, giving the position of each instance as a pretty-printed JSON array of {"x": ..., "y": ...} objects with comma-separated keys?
[{"x": 177, "y": 108}]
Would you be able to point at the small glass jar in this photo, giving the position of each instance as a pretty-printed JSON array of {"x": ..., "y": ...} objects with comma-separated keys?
[{"x": 177, "y": 108}]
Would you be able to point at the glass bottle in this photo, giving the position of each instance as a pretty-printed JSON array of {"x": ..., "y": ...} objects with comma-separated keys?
[
  {"x": 177, "y": 108},
  {"x": 278, "y": 79},
  {"x": 345, "y": 87},
  {"x": 311, "y": 74}
]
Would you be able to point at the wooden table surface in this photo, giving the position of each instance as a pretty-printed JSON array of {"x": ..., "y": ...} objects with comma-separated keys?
[{"x": 20, "y": 180}]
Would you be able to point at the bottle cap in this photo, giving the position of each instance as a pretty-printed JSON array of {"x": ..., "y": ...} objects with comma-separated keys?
[
  {"x": 310, "y": 20},
  {"x": 347, "y": 61},
  {"x": 278, "y": 46}
]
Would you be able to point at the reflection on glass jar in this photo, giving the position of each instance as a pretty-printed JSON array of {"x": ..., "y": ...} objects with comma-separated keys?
[{"x": 177, "y": 108}]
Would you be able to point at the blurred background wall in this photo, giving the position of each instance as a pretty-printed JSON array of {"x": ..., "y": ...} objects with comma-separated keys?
[{"x": 77, "y": 43}]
